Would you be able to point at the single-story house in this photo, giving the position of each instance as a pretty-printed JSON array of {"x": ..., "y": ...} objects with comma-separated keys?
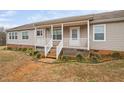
[{"x": 102, "y": 31}]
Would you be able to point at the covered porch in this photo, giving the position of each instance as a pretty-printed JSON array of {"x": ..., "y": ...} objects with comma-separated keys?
[{"x": 63, "y": 35}]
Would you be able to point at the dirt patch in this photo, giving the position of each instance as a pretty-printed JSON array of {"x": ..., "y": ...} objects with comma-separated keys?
[{"x": 22, "y": 68}]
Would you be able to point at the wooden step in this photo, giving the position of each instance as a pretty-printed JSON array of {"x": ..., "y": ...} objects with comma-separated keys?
[{"x": 52, "y": 53}]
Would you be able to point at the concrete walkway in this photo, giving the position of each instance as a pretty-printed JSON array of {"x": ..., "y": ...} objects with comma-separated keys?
[{"x": 47, "y": 60}]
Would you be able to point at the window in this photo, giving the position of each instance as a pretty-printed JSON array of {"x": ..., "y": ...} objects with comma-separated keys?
[
  {"x": 25, "y": 35},
  {"x": 39, "y": 33},
  {"x": 99, "y": 32},
  {"x": 10, "y": 37},
  {"x": 74, "y": 34},
  {"x": 16, "y": 37},
  {"x": 13, "y": 35},
  {"x": 57, "y": 34}
]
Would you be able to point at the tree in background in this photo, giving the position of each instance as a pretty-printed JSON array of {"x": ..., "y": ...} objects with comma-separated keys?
[{"x": 2, "y": 36}]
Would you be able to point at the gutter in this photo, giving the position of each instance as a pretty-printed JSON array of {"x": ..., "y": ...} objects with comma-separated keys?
[{"x": 107, "y": 20}]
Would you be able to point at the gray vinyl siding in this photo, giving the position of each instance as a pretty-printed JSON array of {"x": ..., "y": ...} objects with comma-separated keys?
[
  {"x": 20, "y": 41},
  {"x": 114, "y": 38}
]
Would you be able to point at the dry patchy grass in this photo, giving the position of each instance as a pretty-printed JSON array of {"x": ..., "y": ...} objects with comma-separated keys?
[{"x": 19, "y": 67}]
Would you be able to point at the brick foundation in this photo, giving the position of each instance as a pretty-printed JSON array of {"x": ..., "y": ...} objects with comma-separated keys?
[
  {"x": 103, "y": 52},
  {"x": 73, "y": 52},
  {"x": 19, "y": 46}
]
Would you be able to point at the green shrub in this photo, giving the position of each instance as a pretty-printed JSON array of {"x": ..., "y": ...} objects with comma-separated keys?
[
  {"x": 9, "y": 48},
  {"x": 31, "y": 53},
  {"x": 79, "y": 58},
  {"x": 38, "y": 56},
  {"x": 116, "y": 55},
  {"x": 24, "y": 49},
  {"x": 30, "y": 49},
  {"x": 64, "y": 58},
  {"x": 15, "y": 49},
  {"x": 94, "y": 57},
  {"x": 19, "y": 49},
  {"x": 35, "y": 52}
]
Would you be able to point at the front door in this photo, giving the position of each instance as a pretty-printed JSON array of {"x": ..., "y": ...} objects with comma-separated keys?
[
  {"x": 74, "y": 36},
  {"x": 40, "y": 34}
]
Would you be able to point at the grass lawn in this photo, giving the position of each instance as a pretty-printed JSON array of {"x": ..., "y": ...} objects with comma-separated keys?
[{"x": 16, "y": 66}]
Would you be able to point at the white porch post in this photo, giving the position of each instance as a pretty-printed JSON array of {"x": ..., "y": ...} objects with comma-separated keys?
[
  {"x": 35, "y": 31},
  {"x": 45, "y": 40},
  {"x": 88, "y": 35},
  {"x": 52, "y": 32},
  {"x": 62, "y": 32}
]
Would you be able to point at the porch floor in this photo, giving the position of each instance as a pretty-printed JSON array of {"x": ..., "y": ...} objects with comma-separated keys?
[{"x": 76, "y": 47}]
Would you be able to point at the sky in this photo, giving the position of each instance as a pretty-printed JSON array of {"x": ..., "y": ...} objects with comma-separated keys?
[{"x": 11, "y": 18}]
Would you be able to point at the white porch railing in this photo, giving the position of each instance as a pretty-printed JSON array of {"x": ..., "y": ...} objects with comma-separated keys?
[
  {"x": 48, "y": 46},
  {"x": 58, "y": 49},
  {"x": 81, "y": 43}
]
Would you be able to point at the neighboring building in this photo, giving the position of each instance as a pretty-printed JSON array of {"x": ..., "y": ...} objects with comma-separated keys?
[{"x": 103, "y": 31}]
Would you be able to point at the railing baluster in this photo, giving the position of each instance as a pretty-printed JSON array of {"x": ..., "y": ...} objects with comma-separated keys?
[
  {"x": 58, "y": 49},
  {"x": 48, "y": 47}
]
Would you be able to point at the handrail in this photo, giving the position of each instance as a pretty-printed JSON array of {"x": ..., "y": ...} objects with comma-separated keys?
[
  {"x": 48, "y": 47},
  {"x": 58, "y": 49}
]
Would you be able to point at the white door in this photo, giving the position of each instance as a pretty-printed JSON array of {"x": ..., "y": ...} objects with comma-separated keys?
[
  {"x": 74, "y": 36},
  {"x": 40, "y": 40}
]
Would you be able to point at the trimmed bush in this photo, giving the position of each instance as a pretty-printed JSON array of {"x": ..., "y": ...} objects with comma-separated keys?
[
  {"x": 116, "y": 55},
  {"x": 15, "y": 49},
  {"x": 30, "y": 48},
  {"x": 38, "y": 56},
  {"x": 35, "y": 52},
  {"x": 94, "y": 57},
  {"x": 24, "y": 49},
  {"x": 4, "y": 48},
  {"x": 31, "y": 53},
  {"x": 9, "y": 48},
  {"x": 80, "y": 58},
  {"x": 19, "y": 49},
  {"x": 64, "y": 58}
]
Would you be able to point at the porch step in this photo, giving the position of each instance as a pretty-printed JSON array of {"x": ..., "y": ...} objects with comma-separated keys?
[{"x": 52, "y": 53}]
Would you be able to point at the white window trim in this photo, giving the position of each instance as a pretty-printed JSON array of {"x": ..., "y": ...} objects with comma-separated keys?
[
  {"x": 104, "y": 33},
  {"x": 22, "y": 36},
  {"x": 43, "y": 30}
]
